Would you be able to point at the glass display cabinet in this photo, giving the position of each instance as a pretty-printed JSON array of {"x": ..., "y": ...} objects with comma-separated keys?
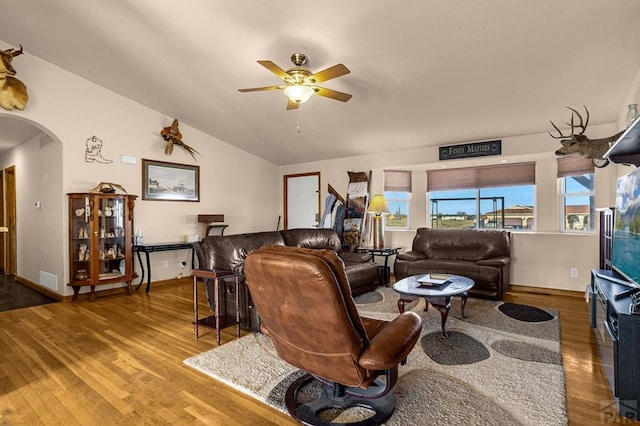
[{"x": 100, "y": 240}]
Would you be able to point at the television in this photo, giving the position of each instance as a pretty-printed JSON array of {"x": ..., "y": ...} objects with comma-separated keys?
[{"x": 626, "y": 231}]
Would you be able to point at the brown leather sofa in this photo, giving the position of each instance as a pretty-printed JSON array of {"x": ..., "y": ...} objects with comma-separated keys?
[
  {"x": 482, "y": 255},
  {"x": 228, "y": 253}
]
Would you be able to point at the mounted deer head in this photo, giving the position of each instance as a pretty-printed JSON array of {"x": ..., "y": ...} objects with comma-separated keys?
[
  {"x": 579, "y": 145},
  {"x": 13, "y": 92}
]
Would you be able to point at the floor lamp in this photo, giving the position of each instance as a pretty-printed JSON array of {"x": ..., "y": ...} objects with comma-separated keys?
[{"x": 377, "y": 206}]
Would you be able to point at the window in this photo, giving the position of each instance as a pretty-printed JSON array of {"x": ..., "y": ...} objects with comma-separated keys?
[
  {"x": 397, "y": 191},
  {"x": 497, "y": 197},
  {"x": 576, "y": 182}
]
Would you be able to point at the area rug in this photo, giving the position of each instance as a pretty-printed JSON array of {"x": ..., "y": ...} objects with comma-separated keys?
[{"x": 500, "y": 365}]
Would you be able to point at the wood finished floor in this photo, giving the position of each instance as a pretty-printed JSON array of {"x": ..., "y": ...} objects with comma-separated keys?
[{"x": 118, "y": 360}]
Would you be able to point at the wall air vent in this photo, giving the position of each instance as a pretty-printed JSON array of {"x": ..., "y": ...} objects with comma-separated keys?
[{"x": 49, "y": 280}]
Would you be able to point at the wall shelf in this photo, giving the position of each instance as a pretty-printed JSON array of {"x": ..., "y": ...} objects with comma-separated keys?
[{"x": 626, "y": 150}]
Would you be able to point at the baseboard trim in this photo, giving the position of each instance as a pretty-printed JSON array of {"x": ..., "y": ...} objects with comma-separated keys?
[
  {"x": 544, "y": 291},
  {"x": 523, "y": 289},
  {"x": 99, "y": 293},
  {"x": 40, "y": 289},
  {"x": 123, "y": 289}
]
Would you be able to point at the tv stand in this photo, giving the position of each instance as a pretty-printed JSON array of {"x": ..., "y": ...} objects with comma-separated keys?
[
  {"x": 617, "y": 332},
  {"x": 626, "y": 293},
  {"x": 633, "y": 289}
]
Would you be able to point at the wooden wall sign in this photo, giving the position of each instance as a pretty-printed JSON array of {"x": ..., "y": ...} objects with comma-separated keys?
[{"x": 467, "y": 150}]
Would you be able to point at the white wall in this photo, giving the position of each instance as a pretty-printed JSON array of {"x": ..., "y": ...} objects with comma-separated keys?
[
  {"x": 72, "y": 110},
  {"x": 38, "y": 178},
  {"x": 540, "y": 259}
]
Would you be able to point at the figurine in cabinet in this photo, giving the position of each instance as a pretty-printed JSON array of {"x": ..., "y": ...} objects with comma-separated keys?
[
  {"x": 81, "y": 275},
  {"x": 82, "y": 252},
  {"x": 111, "y": 253}
]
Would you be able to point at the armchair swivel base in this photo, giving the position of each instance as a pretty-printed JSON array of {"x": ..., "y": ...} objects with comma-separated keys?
[{"x": 378, "y": 399}]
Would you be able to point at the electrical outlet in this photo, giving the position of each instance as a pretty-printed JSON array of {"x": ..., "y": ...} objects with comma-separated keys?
[
  {"x": 574, "y": 272},
  {"x": 165, "y": 264}
]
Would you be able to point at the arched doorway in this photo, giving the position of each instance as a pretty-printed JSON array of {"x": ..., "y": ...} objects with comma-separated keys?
[{"x": 33, "y": 203}]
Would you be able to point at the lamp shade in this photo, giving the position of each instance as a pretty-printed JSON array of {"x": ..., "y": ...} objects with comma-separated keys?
[
  {"x": 378, "y": 204},
  {"x": 299, "y": 94}
]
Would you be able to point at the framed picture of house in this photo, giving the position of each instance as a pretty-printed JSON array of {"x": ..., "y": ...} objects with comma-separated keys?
[{"x": 164, "y": 181}]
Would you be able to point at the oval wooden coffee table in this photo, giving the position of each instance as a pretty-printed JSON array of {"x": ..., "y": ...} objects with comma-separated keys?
[{"x": 438, "y": 295}]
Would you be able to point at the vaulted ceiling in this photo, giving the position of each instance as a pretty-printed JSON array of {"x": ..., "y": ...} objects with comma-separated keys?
[{"x": 423, "y": 72}]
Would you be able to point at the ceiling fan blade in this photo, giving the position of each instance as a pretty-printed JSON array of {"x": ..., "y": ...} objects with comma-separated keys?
[
  {"x": 292, "y": 105},
  {"x": 333, "y": 94},
  {"x": 258, "y": 89},
  {"x": 274, "y": 69},
  {"x": 327, "y": 74}
]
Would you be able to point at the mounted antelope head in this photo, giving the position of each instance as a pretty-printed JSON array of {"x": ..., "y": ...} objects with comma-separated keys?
[
  {"x": 579, "y": 145},
  {"x": 13, "y": 92}
]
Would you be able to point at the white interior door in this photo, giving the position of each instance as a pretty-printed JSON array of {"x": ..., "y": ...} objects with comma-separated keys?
[{"x": 302, "y": 200}]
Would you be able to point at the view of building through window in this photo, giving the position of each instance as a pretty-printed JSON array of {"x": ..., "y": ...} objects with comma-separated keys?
[
  {"x": 498, "y": 208},
  {"x": 578, "y": 202}
]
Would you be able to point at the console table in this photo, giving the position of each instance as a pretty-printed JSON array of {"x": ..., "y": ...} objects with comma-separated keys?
[
  {"x": 150, "y": 248},
  {"x": 385, "y": 252}
]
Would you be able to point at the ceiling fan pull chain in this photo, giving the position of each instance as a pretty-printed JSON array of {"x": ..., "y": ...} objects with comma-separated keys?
[{"x": 298, "y": 128}]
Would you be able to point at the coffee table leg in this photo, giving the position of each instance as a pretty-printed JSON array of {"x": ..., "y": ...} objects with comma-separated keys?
[
  {"x": 464, "y": 295},
  {"x": 401, "y": 305},
  {"x": 444, "y": 314}
]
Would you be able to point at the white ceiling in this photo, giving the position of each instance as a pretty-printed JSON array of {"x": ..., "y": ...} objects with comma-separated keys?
[{"x": 423, "y": 72}]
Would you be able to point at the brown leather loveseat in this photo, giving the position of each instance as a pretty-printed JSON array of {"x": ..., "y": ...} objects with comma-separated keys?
[
  {"x": 482, "y": 255},
  {"x": 228, "y": 253}
]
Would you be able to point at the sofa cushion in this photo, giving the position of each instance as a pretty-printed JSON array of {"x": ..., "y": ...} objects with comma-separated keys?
[{"x": 312, "y": 238}]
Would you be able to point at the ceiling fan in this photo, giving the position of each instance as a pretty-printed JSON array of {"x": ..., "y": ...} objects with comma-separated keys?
[{"x": 300, "y": 83}]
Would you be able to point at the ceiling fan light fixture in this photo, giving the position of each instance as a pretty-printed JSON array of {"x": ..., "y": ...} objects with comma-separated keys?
[{"x": 298, "y": 93}]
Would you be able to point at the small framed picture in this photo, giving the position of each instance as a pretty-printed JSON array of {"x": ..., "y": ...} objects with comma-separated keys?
[{"x": 164, "y": 181}]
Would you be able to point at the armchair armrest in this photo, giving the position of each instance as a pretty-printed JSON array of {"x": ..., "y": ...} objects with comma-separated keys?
[
  {"x": 410, "y": 255},
  {"x": 391, "y": 345},
  {"x": 496, "y": 261}
]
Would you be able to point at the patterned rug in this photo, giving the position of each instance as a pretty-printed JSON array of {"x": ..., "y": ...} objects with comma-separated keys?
[{"x": 501, "y": 365}]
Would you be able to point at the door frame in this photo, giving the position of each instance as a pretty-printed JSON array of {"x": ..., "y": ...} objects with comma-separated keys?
[
  {"x": 286, "y": 192},
  {"x": 11, "y": 243}
]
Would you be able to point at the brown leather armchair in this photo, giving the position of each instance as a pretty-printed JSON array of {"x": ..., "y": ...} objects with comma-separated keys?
[{"x": 306, "y": 307}]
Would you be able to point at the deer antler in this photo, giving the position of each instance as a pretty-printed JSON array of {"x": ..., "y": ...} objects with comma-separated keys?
[
  {"x": 15, "y": 53},
  {"x": 582, "y": 125}
]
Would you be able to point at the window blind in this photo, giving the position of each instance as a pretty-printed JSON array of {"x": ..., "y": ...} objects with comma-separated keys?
[
  {"x": 574, "y": 166},
  {"x": 482, "y": 177},
  {"x": 397, "y": 180}
]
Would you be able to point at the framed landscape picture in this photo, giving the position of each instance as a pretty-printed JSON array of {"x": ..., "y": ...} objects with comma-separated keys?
[{"x": 170, "y": 181}]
